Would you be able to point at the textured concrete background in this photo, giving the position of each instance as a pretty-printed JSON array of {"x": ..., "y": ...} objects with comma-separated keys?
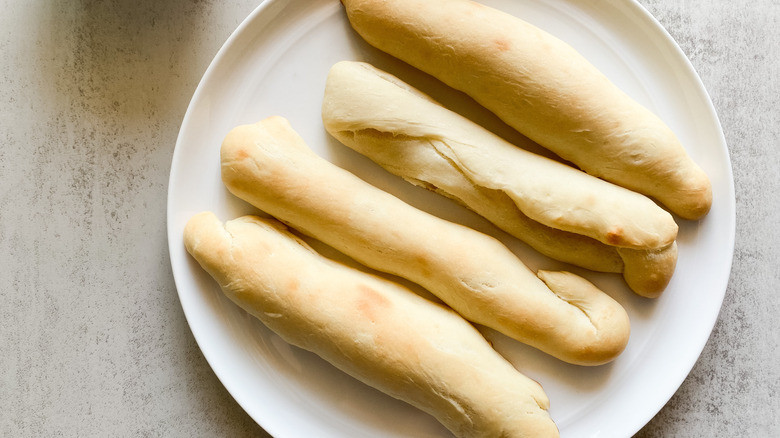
[{"x": 93, "y": 341}]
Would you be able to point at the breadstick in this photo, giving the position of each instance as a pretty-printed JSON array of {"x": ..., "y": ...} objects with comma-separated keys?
[
  {"x": 412, "y": 136},
  {"x": 269, "y": 165},
  {"x": 374, "y": 330},
  {"x": 543, "y": 88},
  {"x": 362, "y": 98}
]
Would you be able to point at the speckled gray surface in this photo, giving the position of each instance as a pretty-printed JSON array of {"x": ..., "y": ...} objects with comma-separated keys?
[{"x": 93, "y": 339}]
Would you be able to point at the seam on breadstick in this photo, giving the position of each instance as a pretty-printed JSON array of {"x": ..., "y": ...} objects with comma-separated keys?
[
  {"x": 560, "y": 245},
  {"x": 269, "y": 165}
]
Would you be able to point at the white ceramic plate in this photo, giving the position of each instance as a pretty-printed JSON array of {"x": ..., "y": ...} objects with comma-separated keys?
[{"x": 276, "y": 64}]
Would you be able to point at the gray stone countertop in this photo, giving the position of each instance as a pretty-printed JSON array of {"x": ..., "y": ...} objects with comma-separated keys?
[{"x": 93, "y": 340}]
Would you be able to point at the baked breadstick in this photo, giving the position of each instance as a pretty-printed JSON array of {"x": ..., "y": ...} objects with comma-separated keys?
[
  {"x": 412, "y": 136},
  {"x": 374, "y": 330},
  {"x": 366, "y": 100},
  {"x": 543, "y": 88},
  {"x": 269, "y": 165}
]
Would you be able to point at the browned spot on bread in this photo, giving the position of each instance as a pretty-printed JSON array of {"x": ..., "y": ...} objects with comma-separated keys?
[
  {"x": 242, "y": 154},
  {"x": 371, "y": 303},
  {"x": 503, "y": 44},
  {"x": 293, "y": 285},
  {"x": 615, "y": 236}
]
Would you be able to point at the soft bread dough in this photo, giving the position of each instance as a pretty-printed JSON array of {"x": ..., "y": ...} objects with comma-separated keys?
[
  {"x": 269, "y": 165},
  {"x": 375, "y": 330},
  {"x": 412, "y": 136},
  {"x": 543, "y": 88}
]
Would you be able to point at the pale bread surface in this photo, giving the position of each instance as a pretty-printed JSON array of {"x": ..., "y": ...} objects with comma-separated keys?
[
  {"x": 269, "y": 165},
  {"x": 375, "y": 330},
  {"x": 543, "y": 88}
]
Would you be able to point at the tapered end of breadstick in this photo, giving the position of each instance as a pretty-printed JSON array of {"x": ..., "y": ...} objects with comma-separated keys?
[
  {"x": 199, "y": 234},
  {"x": 695, "y": 202},
  {"x": 648, "y": 272},
  {"x": 608, "y": 319}
]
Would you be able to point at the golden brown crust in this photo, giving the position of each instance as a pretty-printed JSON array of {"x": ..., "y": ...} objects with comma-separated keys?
[
  {"x": 648, "y": 272},
  {"x": 543, "y": 88},
  {"x": 375, "y": 330},
  {"x": 268, "y": 165}
]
